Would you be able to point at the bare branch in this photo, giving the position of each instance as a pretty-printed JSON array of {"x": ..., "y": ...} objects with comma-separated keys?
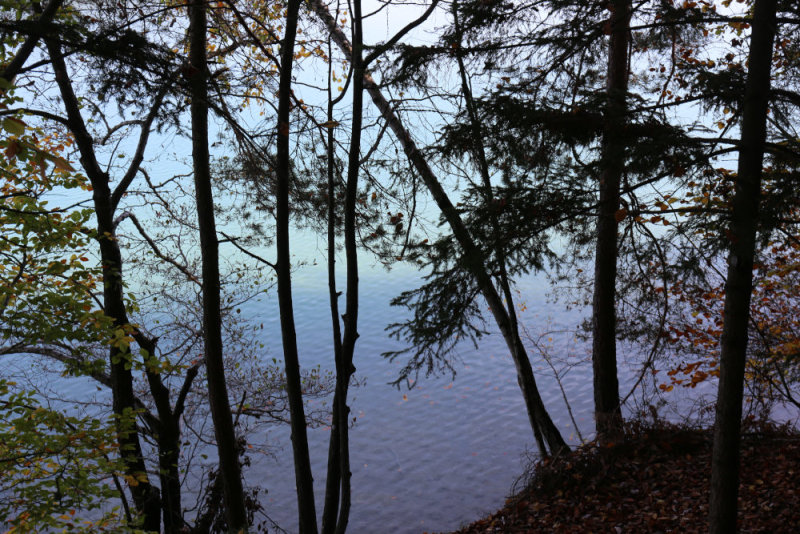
[
  {"x": 232, "y": 241},
  {"x": 182, "y": 268},
  {"x": 140, "y": 147},
  {"x": 378, "y": 50}
]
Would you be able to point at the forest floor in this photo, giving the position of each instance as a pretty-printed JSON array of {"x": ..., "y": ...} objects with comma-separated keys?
[{"x": 655, "y": 480}]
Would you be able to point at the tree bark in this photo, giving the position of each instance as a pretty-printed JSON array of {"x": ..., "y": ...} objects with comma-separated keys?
[
  {"x": 145, "y": 495},
  {"x": 739, "y": 282},
  {"x": 345, "y": 367},
  {"x": 18, "y": 61},
  {"x": 168, "y": 440},
  {"x": 304, "y": 480},
  {"x": 333, "y": 477},
  {"x": 224, "y": 431},
  {"x": 608, "y": 418},
  {"x": 472, "y": 255},
  {"x": 167, "y": 424}
]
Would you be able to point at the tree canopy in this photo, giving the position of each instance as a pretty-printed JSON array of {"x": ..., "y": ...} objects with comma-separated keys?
[{"x": 157, "y": 155}]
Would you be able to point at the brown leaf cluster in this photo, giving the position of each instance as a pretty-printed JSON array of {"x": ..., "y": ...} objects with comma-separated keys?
[{"x": 655, "y": 480}]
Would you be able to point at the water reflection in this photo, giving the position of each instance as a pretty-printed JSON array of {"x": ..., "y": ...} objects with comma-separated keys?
[{"x": 440, "y": 454}]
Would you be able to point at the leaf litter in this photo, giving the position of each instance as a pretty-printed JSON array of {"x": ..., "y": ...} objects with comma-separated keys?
[{"x": 655, "y": 480}]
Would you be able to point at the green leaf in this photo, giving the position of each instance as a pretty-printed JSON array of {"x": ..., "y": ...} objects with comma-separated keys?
[{"x": 14, "y": 126}]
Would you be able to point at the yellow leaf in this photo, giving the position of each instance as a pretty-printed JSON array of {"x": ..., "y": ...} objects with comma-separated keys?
[{"x": 62, "y": 164}]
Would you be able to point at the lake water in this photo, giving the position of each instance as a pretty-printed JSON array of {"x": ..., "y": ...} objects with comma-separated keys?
[
  {"x": 427, "y": 459},
  {"x": 441, "y": 454},
  {"x": 430, "y": 458},
  {"x": 436, "y": 456}
]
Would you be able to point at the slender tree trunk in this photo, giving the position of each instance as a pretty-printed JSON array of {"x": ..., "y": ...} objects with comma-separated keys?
[
  {"x": 168, "y": 456},
  {"x": 473, "y": 257},
  {"x": 608, "y": 418},
  {"x": 145, "y": 495},
  {"x": 230, "y": 470},
  {"x": 168, "y": 440},
  {"x": 479, "y": 156},
  {"x": 739, "y": 283},
  {"x": 330, "y": 512},
  {"x": 346, "y": 369},
  {"x": 304, "y": 480},
  {"x": 333, "y": 478}
]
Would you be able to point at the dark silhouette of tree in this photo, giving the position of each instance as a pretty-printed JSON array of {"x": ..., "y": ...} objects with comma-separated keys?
[
  {"x": 145, "y": 495},
  {"x": 29, "y": 45},
  {"x": 230, "y": 470},
  {"x": 471, "y": 259},
  {"x": 608, "y": 419},
  {"x": 338, "y": 490},
  {"x": 739, "y": 281},
  {"x": 303, "y": 477}
]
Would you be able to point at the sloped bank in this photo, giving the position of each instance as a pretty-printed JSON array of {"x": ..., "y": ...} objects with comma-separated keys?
[{"x": 655, "y": 480}]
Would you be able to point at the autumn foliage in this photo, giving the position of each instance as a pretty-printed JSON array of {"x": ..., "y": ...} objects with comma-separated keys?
[{"x": 774, "y": 346}]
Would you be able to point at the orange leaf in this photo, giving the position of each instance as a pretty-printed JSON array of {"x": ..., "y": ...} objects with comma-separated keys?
[{"x": 62, "y": 164}]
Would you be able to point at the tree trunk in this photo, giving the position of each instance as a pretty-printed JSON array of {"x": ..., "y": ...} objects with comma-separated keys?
[
  {"x": 304, "y": 480},
  {"x": 23, "y": 53},
  {"x": 472, "y": 255},
  {"x": 168, "y": 456},
  {"x": 608, "y": 418},
  {"x": 739, "y": 282},
  {"x": 481, "y": 162},
  {"x": 145, "y": 495},
  {"x": 230, "y": 470},
  {"x": 346, "y": 369},
  {"x": 333, "y": 478},
  {"x": 168, "y": 440}
]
